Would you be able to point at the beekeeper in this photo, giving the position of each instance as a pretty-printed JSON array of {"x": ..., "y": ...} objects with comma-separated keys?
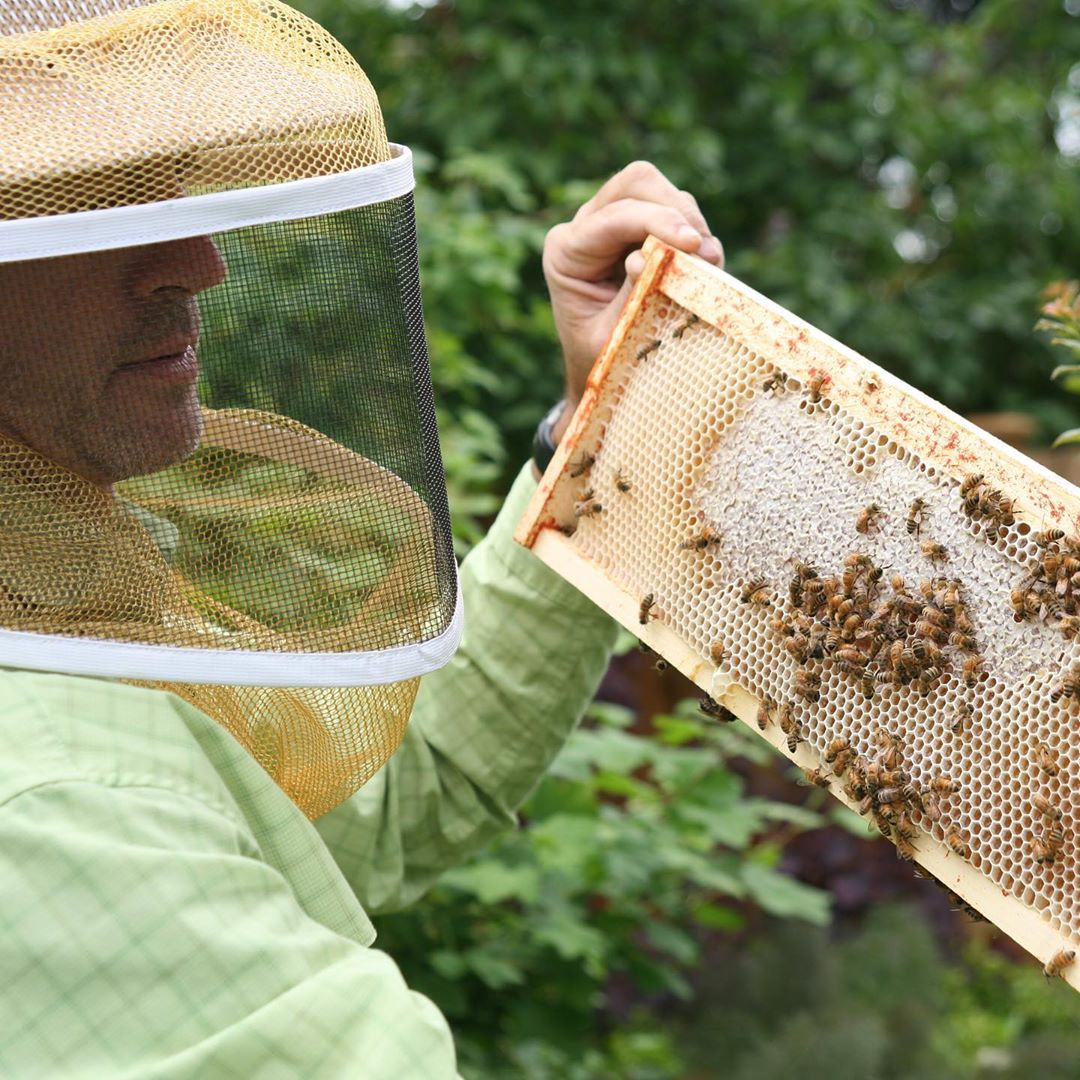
[{"x": 225, "y": 553}]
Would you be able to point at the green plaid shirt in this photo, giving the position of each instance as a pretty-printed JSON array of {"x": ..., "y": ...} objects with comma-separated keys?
[{"x": 166, "y": 911}]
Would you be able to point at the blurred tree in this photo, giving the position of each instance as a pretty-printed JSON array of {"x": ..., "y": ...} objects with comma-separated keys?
[{"x": 906, "y": 183}]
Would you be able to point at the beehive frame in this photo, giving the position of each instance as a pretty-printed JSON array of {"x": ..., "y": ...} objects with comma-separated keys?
[{"x": 720, "y": 439}]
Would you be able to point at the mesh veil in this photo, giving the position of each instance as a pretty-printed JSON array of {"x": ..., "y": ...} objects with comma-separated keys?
[{"x": 219, "y": 467}]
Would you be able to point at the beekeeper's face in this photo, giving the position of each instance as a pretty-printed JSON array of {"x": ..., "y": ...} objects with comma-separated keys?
[{"x": 98, "y": 356}]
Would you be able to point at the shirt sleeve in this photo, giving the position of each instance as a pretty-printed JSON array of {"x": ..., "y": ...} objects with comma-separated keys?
[
  {"x": 142, "y": 936},
  {"x": 484, "y": 728}
]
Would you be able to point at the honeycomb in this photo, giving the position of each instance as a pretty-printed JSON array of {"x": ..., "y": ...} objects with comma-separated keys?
[{"x": 722, "y": 444}]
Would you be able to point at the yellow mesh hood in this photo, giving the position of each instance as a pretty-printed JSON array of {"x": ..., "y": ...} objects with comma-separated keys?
[{"x": 134, "y": 106}]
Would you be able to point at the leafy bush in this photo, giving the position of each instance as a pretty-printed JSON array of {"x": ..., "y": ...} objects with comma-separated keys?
[
  {"x": 1061, "y": 317},
  {"x": 636, "y": 849},
  {"x": 908, "y": 185}
]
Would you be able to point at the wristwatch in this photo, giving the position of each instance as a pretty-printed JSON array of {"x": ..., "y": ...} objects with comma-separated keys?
[{"x": 543, "y": 444}]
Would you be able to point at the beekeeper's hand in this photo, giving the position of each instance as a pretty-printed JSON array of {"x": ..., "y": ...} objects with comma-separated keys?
[{"x": 592, "y": 261}]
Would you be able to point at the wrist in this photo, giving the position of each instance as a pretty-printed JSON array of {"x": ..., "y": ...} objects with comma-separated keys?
[
  {"x": 559, "y": 428},
  {"x": 546, "y": 440}
]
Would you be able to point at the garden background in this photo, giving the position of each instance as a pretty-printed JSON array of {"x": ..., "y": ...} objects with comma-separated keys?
[{"x": 904, "y": 175}]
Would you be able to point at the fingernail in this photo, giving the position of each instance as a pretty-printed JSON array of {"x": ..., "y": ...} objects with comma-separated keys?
[
  {"x": 710, "y": 249},
  {"x": 688, "y": 236}
]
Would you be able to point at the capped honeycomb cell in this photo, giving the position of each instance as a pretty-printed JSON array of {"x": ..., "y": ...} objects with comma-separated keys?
[{"x": 877, "y": 572}]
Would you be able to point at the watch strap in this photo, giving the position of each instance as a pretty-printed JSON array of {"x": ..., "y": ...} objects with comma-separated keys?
[{"x": 543, "y": 443}]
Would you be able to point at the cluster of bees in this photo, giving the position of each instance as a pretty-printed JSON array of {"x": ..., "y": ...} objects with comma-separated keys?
[
  {"x": 873, "y": 635},
  {"x": 883, "y": 790},
  {"x": 587, "y": 504},
  {"x": 1051, "y": 587},
  {"x": 1047, "y": 845}
]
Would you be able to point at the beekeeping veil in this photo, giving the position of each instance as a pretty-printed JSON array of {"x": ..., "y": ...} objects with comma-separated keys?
[{"x": 219, "y": 471}]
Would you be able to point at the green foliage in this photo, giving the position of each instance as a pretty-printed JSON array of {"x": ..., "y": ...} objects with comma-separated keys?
[
  {"x": 907, "y": 185},
  {"x": 635, "y": 850},
  {"x": 1061, "y": 317},
  {"x": 882, "y": 1003}
]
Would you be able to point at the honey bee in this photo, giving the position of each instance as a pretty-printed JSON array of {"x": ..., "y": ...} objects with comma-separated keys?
[
  {"x": 851, "y": 624},
  {"x": 1068, "y": 687},
  {"x": 838, "y": 745},
  {"x": 930, "y": 806},
  {"x": 587, "y": 506},
  {"x": 970, "y": 669},
  {"x": 717, "y": 652},
  {"x": 622, "y": 485},
  {"x": 866, "y": 684},
  {"x": 868, "y": 518},
  {"x": 903, "y": 826},
  {"x": 843, "y": 759},
  {"x": 789, "y": 726},
  {"x": 887, "y": 795},
  {"x": 646, "y": 350},
  {"x": 1048, "y": 536},
  {"x": 582, "y": 465},
  {"x": 1046, "y": 759},
  {"x": 915, "y": 517},
  {"x": 926, "y": 651},
  {"x": 1044, "y": 806},
  {"x": 858, "y": 560},
  {"x": 889, "y": 759},
  {"x": 1042, "y": 852},
  {"x": 853, "y": 790},
  {"x": 1025, "y": 604},
  {"x": 807, "y": 684},
  {"x": 934, "y": 552},
  {"x": 913, "y": 795},
  {"x": 813, "y": 595},
  {"x": 935, "y": 616},
  {"x": 943, "y": 785},
  {"x": 964, "y": 642},
  {"x": 699, "y": 541},
  {"x": 961, "y": 718},
  {"x": 1058, "y": 963},
  {"x": 1055, "y": 837},
  {"x": 971, "y": 482},
  {"x": 950, "y": 598},
  {"x": 683, "y": 327},
  {"x": 816, "y": 777},
  {"x": 755, "y": 592},
  {"x": 894, "y": 777},
  {"x": 956, "y": 842},
  {"x": 935, "y": 633},
  {"x": 885, "y": 739},
  {"x": 645, "y": 608},
  {"x": 763, "y": 714},
  {"x": 813, "y": 387},
  {"x": 905, "y": 849},
  {"x": 798, "y": 646},
  {"x": 850, "y": 656},
  {"x": 715, "y": 711},
  {"x": 996, "y": 507},
  {"x": 777, "y": 381},
  {"x": 928, "y": 680}
]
